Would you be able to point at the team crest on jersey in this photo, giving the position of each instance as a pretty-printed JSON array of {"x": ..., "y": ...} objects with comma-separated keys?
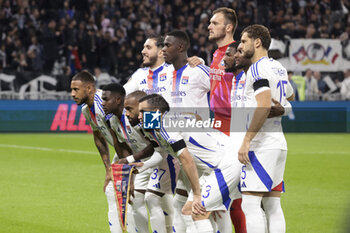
[
  {"x": 184, "y": 80},
  {"x": 143, "y": 82},
  {"x": 162, "y": 77},
  {"x": 241, "y": 84},
  {"x": 222, "y": 63},
  {"x": 128, "y": 129}
]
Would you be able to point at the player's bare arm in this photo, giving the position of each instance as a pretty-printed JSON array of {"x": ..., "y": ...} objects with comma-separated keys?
[
  {"x": 121, "y": 148},
  {"x": 191, "y": 171},
  {"x": 262, "y": 111},
  {"x": 291, "y": 98},
  {"x": 276, "y": 110},
  {"x": 102, "y": 148},
  {"x": 145, "y": 153}
]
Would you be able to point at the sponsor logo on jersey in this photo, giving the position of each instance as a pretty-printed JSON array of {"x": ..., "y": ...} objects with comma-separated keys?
[
  {"x": 162, "y": 77},
  {"x": 154, "y": 90},
  {"x": 184, "y": 80},
  {"x": 216, "y": 74},
  {"x": 178, "y": 93},
  {"x": 143, "y": 82},
  {"x": 151, "y": 120},
  {"x": 241, "y": 84}
]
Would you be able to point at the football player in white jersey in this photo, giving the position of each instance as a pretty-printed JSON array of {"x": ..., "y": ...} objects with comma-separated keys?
[
  {"x": 264, "y": 149},
  {"x": 85, "y": 93},
  {"x": 189, "y": 88},
  {"x": 219, "y": 171},
  {"x": 152, "y": 77},
  {"x": 124, "y": 123},
  {"x": 113, "y": 103}
]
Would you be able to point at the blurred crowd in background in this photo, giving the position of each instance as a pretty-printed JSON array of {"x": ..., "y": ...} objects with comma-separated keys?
[{"x": 61, "y": 37}]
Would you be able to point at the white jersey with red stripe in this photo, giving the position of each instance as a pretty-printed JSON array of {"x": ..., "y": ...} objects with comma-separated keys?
[
  {"x": 270, "y": 136},
  {"x": 189, "y": 86},
  {"x": 96, "y": 117},
  {"x": 150, "y": 80}
]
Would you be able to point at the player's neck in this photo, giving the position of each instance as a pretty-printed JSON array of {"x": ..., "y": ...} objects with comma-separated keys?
[
  {"x": 90, "y": 101},
  {"x": 156, "y": 65},
  {"x": 259, "y": 53},
  {"x": 228, "y": 39},
  {"x": 119, "y": 112},
  {"x": 237, "y": 72},
  {"x": 180, "y": 62}
]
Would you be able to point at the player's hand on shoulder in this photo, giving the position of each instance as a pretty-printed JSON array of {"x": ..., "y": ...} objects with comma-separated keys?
[{"x": 195, "y": 61}]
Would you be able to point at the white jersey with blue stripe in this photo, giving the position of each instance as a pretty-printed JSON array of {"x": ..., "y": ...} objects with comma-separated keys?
[
  {"x": 150, "y": 80},
  {"x": 204, "y": 147},
  {"x": 127, "y": 133},
  {"x": 270, "y": 135},
  {"x": 189, "y": 87},
  {"x": 97, "y": 112}
]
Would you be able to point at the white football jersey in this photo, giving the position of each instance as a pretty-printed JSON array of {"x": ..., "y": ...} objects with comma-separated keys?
[
  {"x": 150, "y": 80},
  {"x": 126, "y": 133},
  {"x": 270, "y": 135},
  {"x": 204, "y": 147},
  {"x": 238, "y": 121},
  {"x": 189, "y": 86},
  {"x": 97, "y": 117}
]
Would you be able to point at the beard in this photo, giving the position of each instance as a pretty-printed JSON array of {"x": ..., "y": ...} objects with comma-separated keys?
[
  {"x": 82, "y": 100},
  {"x": 231, "y": 69},
  {"x": 217, "y": 36},
  {"x": 151, "y": 62},
  {"x": 249, "y": 53}
]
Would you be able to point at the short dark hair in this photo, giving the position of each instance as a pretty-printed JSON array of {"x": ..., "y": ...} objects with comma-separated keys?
[
  {"x": 158, "y": 38},
  {"x": 115, "y": 88},
  {"x": 234, "y": 45},
  {"x": 156, "y": 101},
  {"x": 137, "y": 95},
  {"x": 257, "y": 31},
  {"x": 181, "y": 35},
  {"x": 84, "y": 76},
  {"x": 230, "y": 16}
]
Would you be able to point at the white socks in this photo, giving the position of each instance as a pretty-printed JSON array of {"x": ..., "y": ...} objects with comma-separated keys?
[
  {"x": 223, "y": 224},
  {"x": 179, "y": 223},
  {"x": 168, "y": 208},
  {"x": 274, "y": 214},
  {"x": 204, "y": 226},
  {"x": 251, "y": 206},
  {"x": 190, "y": 225},
  {"x": 140, "y": 212},
  {"x": 157, "y": 217},
  {"x": 113, "y": 217}
]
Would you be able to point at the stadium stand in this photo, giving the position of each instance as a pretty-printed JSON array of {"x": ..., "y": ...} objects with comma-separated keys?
[{"x": 57, "y": 38}]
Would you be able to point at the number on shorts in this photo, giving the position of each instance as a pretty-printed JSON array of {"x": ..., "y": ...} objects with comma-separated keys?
[
  {"x": 155, "y": 174},
  {"x": 243, "y": 172},
  {"x": 207, "y": 189}
]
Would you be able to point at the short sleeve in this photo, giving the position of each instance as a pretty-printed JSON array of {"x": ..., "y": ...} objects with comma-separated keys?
[
  {"x": 204, "y": 78},
  {"x": 131, "y": 85},
  {"x": 86, "y": 114}
]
